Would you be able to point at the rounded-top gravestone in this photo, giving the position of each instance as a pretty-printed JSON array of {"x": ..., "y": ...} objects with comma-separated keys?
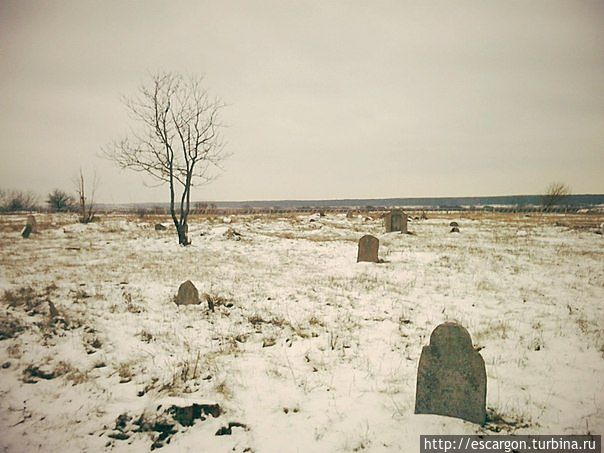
[
  {"x": 368, "y": 249},
  {"x": 451, "y": 376}
]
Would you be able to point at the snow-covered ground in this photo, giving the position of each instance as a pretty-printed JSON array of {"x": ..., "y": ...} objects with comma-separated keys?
[{"x": 307, "y": 350}]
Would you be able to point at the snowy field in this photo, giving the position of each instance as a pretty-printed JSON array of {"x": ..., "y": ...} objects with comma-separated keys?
[{"x": 306, "y": 351}]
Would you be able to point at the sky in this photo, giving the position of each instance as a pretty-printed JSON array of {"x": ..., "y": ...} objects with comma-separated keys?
[{"x": 325, "y": 99}]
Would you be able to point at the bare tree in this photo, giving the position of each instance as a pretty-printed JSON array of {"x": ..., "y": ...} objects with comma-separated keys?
[
  {"x": 60, "y": 201},
  {"x": 178, "y": 141},
  {"x": 86, "y": 197},
  {"x": 554, "y": 195}
]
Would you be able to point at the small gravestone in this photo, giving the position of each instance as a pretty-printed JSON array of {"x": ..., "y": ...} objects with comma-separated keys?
[
  {"x": 368, "y": 249},
  {"x": 187, "y": 294},
  {"x": 454, "y": 230},
  {"x": 31, "y": 221},
  {"x": 26, "y": 231},
  {"x": 395, "y": 221},
  {"x": 451, "y": 376},
  {"x": 160, "y": 227},
  {"x": 454, "y": 224}
]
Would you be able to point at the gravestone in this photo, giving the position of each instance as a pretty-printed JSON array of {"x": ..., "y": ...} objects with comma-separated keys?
[
  {"x": 160, "y": 227},
  {"x": 451, "y": 376},
  {"x": 454, "y": 224},
  {"x": 395, "y": 221},
  {"x": 31, "y": 221},
  {"x": 187, "y": 294},
  {"x": 454, "y": 230},
  {"x": 368, "y": 249},
  {"x": 26, "y": 231}
]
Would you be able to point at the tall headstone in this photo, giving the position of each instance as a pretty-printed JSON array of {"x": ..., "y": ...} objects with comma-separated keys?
[
  {"x": 395, "y": 221},
  {"x": 31, "y": 221},
  {"x": 368, "y": 249},
  {"x": 451, "y": 376},
  {"x": 187, "y": 294}
]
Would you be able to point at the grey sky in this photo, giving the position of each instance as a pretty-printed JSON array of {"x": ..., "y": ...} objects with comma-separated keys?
[{"x": 326, "y": 99}]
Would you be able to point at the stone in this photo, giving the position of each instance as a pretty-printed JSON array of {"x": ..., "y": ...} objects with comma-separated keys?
[
  {"x": 451, "y": 376},
  {"x": 160, "y": 227},
  {"x": 454, "y": 224},
  {"x": 454, "y": 230},
  {"x": 368, "y": 249},
  {"x": 31, "y": 220},
  {"x": 187, "y": 294},
  {"x": 26, "y": 231},
  {"x": 232, "y": 234},
  {"x": 395, "y": 221}
]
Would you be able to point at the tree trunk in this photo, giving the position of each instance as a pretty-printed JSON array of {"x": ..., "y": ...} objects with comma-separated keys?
[{"x": 183, "y": 237}]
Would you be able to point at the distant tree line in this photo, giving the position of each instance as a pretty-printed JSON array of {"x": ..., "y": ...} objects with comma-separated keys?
[{"x": 57, "y": 200}]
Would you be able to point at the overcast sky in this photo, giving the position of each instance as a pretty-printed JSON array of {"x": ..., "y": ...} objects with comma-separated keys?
[{"x": 340, "y": 99}]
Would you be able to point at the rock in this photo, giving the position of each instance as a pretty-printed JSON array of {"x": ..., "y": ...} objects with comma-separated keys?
[
  {"x": 454, "y": 230},
  {"x": 451, "y": 376},
  {"x": 453, "y": 224},
  {"x": 187, "y": 294},
  {"x": 232, "y": 234},
  {"x": 187, "y": 415},
  {"x": 160, "y": 227},
  {"x": 228, "y": 430}
]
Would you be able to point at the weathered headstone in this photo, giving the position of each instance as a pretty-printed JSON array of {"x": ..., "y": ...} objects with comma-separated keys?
[
  {"x": 454, "y": 230},
  {"x": 26, "y": 231},
  {"x": 31, "y": 221},
  {"x": 368, "y": 249},
  {"x": 187, "y": 294},
  {"x": 454, "y": 224},
  {"x": 395, "y": 221},
  {"x": 160, "y": 227},
  {"x": 451, "y": 376}
]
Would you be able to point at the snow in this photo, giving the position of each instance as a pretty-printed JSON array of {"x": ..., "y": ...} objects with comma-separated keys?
[{"x": 346, "y": 337}]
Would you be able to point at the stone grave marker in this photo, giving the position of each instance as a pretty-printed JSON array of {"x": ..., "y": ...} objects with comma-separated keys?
[
  {"x": 26, "y": 231},
  {"x": 187, "y": 294},
  {"x": 31, "y": 221},
  {"x": 454, "y": 230},
  {"x": 368, "y": 249},
  {"x": 451, "y": 376},
  {"x": 454, "y": 224},
  {"x": 395, "y": 221}
]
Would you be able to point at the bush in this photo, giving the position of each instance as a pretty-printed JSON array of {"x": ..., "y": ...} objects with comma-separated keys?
[
  {"x": 17, "y": 200},
  {"x": 60, "y": 201}
]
